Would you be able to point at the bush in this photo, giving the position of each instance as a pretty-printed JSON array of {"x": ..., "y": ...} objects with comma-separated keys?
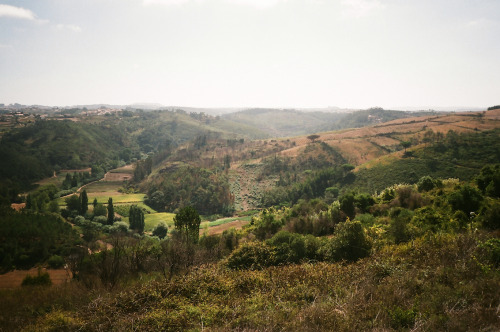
[
  {"x": 349, "y": 242},
  {"x": 100, "y": 210},
  {"x": 401, "y": 318},
  {"x": 347, "y": 205},
  {"x": 267, "y": 224},
  {"x": 56, "y": 262},
  {"x": 398, "y": 228},
  {"x": 119, "y": 227},
  {"x": 101, "y": 220},
  {"x": 408, "y": 198},
  {"x": 467, "y": 199},
  {"x": 364, "y": 202},
  {"x": 288, "y": 248},
  {"x": 491, "y": 251},
  {"x": 160, "y": 230},
  {"x": 254, "y": 255},
  {"x": 426, "y": 183},
  {"x": 79, "y": 220},
  {"x": 491, "y": 216},
  {"x": 41, "y": 279}
]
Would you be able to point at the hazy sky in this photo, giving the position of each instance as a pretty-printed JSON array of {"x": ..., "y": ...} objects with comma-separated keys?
[{"x": 266, "y": 53}]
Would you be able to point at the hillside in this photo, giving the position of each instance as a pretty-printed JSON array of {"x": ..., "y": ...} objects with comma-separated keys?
[
  {"x": 264, "y": 172},
  {"x": 36, "y": 150},
  {"x": 289, "y": 122}
]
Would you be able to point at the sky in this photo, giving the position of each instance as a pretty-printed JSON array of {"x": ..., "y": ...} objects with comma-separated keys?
[{"x": 251, "y": 53}]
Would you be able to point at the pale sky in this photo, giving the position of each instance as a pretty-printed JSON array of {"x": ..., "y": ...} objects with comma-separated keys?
[{"x": 251, "y": 53}]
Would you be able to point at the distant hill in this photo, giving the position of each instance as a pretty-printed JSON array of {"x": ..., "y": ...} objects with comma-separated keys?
[{"x": 290, "y": 122}]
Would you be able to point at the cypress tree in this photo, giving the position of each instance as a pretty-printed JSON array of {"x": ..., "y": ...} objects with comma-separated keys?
[
  {"x": 111, "y": 212},
  {"x": 136, "y": 218},
  {"x": 84, "y": 202}
]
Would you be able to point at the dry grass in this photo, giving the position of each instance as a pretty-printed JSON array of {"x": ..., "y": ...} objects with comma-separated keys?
[{"x": 15, "y": 278}]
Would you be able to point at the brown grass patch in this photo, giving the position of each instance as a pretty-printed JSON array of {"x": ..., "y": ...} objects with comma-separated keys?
[
  {"x": 237, "y": 224},
  {"x": 18, "y": 207},
  {"x": 15, "y": 278},
  {"x": 117, "y": 177}
]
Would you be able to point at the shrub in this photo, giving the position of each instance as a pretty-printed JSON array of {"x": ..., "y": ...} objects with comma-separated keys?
[
  {"x": 398, "y": 228},
  {"x": 160, "y": 230},
  {"x": 288, "y": 248},
  {"x": 55, "y": 262},
  {"x": 267, "y": 224},
  {"x": 349, "y": 242},
  {"x": 254, "y": 255},
  {"x": 428, "y": 219},
  {"x": 491, "y": 251},
  {"x": 364, "y": 202},
  {"x": 347, "y": 205},
  {"x": 100, "y": 210},
  {"x": 79, "y": 220},
  {"x": 466, "y": 199},
  {"x": 119, "y": 227},
  {"x": 426, "y": 183},
  {"x": 491, "y": 216},
  {"x": 41, "y": 279},
  {"x": 408, "y": 198},
  {"x": 101, "y": 219},
  {"x": 401, "y": 318}
]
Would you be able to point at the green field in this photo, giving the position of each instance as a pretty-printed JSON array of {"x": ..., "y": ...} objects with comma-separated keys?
[
  {"x": 117, "y": 199},
  {"x": 151, "y": 220},
  {"x": 103, "y": 186}
]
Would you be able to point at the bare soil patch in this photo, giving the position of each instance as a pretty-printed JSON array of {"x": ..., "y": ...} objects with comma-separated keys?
[
  {"x": 117, "y": 177},
  {"x": 18, "y": 207},
  {"x": 237, "y": 224}
]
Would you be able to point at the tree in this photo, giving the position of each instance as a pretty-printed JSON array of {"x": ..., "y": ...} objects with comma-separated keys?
[
  {"x": 405, "y": 145},
  {"x": 347, "y": 205},
  {"x": 111, "y": 212},
  {"x": 313, "y": 137},
  {"x": 187, "y": 222},
  {"x": 227, "y": 161},
  {"x": 73, "y": 203},
  {"x": 160, "y": 230},
  {"x": 84, "y": 202},
  {"x": 136, "y": 218},
  {"x": 94, "y": 203}
]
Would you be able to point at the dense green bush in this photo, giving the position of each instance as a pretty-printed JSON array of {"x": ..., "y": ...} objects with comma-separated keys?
[
  {"x": 160, "y": 230},
  {"x": 253, "y": 255},
  {"x": 467, "y": 199},
  {"x": 490, "y": 216},
  {"x": 349, "y": 242},
  {"x": 287, "y": 247},
  {"x": 55, "y": 262}
]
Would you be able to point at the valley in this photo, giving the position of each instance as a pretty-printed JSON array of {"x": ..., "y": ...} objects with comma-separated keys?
[{"x": 388, "y": 224}]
